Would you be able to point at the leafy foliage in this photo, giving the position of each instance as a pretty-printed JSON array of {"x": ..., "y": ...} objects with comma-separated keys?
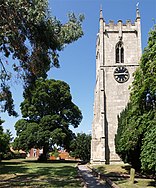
[
  {"x": 30, "y": 35},
  {"x": 135, "y": 137},
  {"x": 6, "y": 101},
  {"x": 48, "y": 111},
  {"x": 5, "y": 138},
  {"x": 81, "y": 146},
  {"x": 148, "y": 153}
]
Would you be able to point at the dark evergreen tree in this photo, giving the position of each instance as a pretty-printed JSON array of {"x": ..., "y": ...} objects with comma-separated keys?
[
  {"x": 47, "y": 112},
  {"x": 5, "y": 139},
  {"x": 81, "y": 147},
  {"x": 135, "y": 140}
]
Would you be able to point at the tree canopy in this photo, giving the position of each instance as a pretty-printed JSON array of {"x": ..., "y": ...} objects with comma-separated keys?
[
  {"x": 81, "y": 147},
  {"x": 135, "y": 140},
  {"x": 5, "y": 138},
  {"x": 30, "y": 35},
  {"x": 47, "y": 111}
]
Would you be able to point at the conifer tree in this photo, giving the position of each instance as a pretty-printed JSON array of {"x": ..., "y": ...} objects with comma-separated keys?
[{"x": 135, "y": 140}]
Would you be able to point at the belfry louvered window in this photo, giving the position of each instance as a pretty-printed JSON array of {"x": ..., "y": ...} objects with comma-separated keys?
[{"x": 119, "y": 52}]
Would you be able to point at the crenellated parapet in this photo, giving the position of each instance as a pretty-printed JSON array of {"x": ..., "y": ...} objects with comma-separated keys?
[{"x": 120, "y": 26}]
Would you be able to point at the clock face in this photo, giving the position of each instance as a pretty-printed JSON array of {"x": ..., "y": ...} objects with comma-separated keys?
[{"x": 121, "y": 74}]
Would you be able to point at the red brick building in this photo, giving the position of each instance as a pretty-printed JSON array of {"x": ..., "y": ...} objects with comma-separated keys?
[{"x": 34, "y": 153}]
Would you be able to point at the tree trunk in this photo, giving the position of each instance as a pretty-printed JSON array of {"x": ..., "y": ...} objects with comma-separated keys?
[{"x": 43, "y": 156}]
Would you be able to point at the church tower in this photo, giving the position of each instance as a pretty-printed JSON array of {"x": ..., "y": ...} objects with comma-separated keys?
[{"x": 118, "y": 51}]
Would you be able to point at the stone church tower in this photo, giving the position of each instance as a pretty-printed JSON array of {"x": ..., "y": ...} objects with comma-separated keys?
[{"x": 118, "y": 51}]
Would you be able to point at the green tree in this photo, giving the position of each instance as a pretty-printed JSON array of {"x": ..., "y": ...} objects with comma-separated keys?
[
  {"x": 5, "y": 138},
  {"x": 136, "y": 126},
  {"x": 48, "y": 111},
  {"x": 30, "y": 35},
  {"x": 148, "y": 152},
  {"x": 81, "y": 146}
]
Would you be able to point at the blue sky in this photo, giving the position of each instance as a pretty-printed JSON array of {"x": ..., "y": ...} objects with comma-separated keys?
[{"x": 77, "y": 60}]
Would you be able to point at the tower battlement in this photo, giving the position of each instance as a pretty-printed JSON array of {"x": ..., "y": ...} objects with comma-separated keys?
[
  {"x": 128, "y": 26},
  {"x": 127, "y": 23}
]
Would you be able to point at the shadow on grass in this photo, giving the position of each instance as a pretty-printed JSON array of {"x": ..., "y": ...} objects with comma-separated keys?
[
  {"x": 127, "y": 168},
  {"x": 12, "y": 167},
  {"x": 51, "y": 161},
  {"x": 152, "y": 183},
  {"x": 38, "y": 175},
  {"x": 31, "y": 180},
  {"x": 113, "y": 175},
  {"x": 101, "y": 169}
]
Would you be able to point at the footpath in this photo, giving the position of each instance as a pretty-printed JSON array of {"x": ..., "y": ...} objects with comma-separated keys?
[{"x": 89, "y": 180}]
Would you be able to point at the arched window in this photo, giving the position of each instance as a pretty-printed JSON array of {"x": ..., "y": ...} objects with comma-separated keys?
[{"x": 119, "y": 53}]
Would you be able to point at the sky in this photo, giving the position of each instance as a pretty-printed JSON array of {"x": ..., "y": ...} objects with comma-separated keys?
[{"x": 77, "y": 60}]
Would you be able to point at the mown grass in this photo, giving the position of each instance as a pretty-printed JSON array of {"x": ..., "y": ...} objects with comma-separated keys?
[
  {"x": 31, "y": 174},
  {"x": 139, "y": 183},
  {"x": 119, "y": 174}
]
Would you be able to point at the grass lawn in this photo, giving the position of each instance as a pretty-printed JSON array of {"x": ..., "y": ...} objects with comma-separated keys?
[
  {"x": 139, "y": 183},
  {"x": 116, "y": 172},
  {"x": 31, "y": 174}
]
